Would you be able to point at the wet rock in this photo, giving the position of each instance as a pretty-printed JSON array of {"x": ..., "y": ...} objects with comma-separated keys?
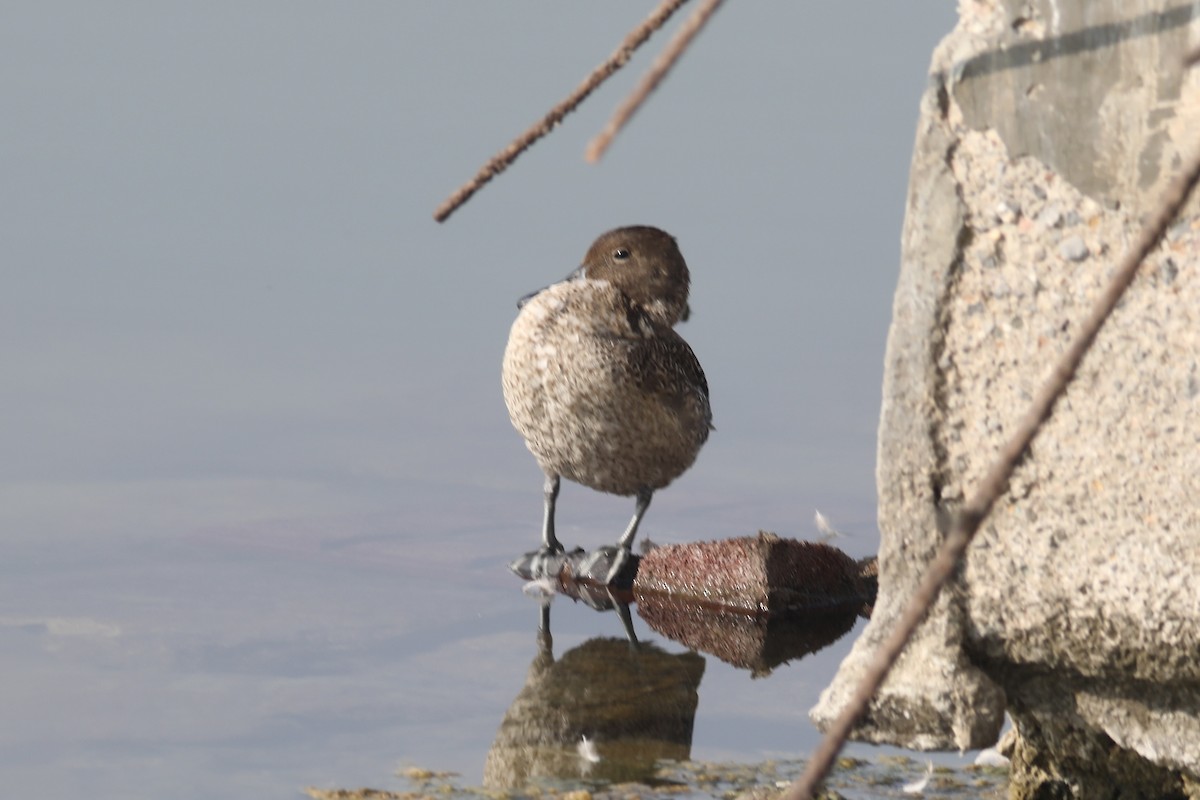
[{"x": 757, "y": 573}]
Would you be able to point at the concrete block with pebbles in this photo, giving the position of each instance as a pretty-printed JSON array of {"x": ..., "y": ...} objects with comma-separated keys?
[{"x": 1047, "y": 133}]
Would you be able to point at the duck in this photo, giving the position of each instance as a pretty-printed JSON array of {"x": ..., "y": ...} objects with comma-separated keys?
[{"x": 598, "y": 382}]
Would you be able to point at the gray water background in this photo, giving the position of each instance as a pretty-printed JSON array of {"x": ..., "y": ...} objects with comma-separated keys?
[{"x": 257, "y": 483}]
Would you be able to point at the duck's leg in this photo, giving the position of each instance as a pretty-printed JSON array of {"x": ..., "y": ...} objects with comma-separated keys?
[
  {"x": 639, "y": 511},
  {"x": 626, "y": 541},
  {"x": 550, "y": 543}
]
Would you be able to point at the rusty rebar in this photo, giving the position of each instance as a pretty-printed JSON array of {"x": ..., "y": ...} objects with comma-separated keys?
[
  {"x": 501, "y": 161},
  {"x": 650, "y": 81}
]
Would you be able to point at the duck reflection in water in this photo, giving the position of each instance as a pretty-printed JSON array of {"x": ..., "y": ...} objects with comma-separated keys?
[
  {"x": 610, "y": 709},
  {"x": 606, "y": 711}
]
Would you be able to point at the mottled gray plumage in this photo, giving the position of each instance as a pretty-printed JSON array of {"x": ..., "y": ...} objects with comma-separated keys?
[{"x": 603, "y": 389}]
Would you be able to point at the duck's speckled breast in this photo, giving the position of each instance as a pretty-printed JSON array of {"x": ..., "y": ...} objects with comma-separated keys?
[{"x": 603, "y": 395}]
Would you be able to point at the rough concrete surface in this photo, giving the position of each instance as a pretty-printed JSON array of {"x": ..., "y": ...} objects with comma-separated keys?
[{"x": 1046, "y": 134}]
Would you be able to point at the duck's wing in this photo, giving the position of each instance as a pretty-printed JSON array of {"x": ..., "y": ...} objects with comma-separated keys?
[{"x": 665, "y": 366}]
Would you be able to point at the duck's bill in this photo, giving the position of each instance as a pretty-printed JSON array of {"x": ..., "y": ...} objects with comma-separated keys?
[{"x": 577, "y": 274}]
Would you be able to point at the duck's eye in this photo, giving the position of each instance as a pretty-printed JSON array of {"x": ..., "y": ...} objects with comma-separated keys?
[{"x": 620, "y": 254}]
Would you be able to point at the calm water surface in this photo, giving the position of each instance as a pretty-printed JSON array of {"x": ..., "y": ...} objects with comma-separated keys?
[{"x": 328, "y": 651}]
